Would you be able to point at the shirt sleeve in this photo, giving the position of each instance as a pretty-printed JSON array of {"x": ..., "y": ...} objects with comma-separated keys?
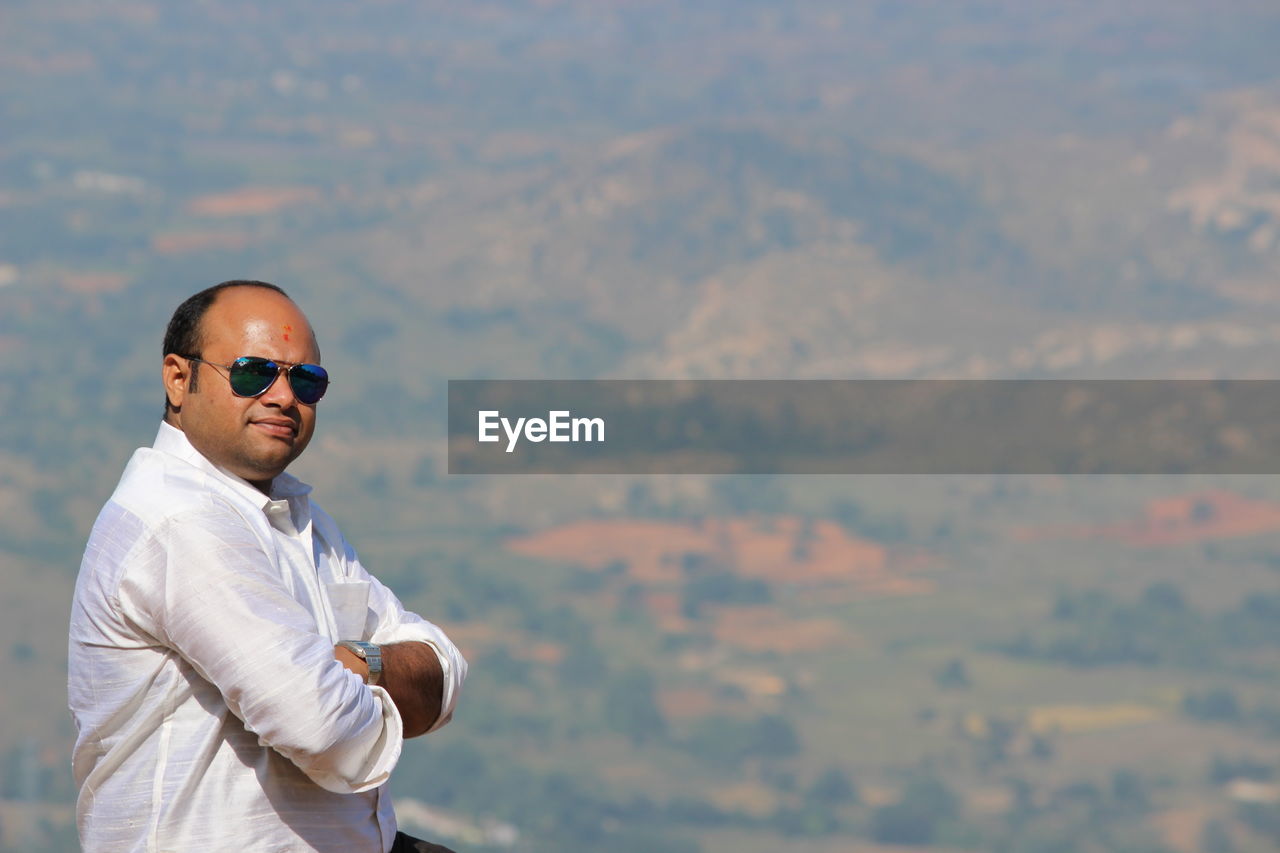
[
  {"x": 207, "y": 590},
  {"x": 397, "y": 625}
]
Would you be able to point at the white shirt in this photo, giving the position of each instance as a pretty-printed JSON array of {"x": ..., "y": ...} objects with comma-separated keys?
[{"x": 211, "y": 713}]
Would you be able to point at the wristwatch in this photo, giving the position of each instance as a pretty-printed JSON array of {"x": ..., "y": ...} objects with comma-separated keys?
[{"x": 370, "y": 653}]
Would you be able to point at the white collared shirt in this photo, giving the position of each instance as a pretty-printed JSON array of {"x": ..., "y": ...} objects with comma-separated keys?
[{"x": 211, "y": 713}]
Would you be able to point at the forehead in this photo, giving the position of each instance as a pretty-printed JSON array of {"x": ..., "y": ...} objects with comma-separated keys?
[{"x": 257, "y": 321}]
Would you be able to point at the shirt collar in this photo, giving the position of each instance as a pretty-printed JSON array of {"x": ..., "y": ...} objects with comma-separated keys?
[{"x": 174, "y": 442}]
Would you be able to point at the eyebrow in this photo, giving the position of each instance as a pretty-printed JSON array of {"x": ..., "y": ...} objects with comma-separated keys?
[{"x": 276, "y": 360}]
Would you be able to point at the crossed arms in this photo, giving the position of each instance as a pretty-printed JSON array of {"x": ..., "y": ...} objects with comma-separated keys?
[
  {"x": 201, "y": 585},
  {"x": 412, "y": 675}
]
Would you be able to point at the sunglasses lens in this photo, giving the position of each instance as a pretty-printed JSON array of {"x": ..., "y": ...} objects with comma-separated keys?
[
  {"x": 251, "y": 376},
  {"x": 309, "y": 382}
]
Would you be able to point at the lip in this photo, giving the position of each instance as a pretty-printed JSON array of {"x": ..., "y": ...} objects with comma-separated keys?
[{"x": 278, "y": 427}]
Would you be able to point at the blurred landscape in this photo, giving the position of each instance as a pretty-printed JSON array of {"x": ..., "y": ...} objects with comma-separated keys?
[{"x": 664, "y": 190}]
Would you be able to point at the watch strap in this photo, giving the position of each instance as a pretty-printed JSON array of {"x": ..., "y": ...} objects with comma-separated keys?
[{"x": 370, "y": 653}]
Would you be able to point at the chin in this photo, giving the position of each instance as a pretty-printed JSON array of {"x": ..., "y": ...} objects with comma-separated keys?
[{"x": 260, "y": 470}]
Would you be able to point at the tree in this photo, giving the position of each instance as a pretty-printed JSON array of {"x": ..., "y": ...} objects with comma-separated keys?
[
  {"x": 728, "y": 741},
  {"x": 833, "y": 788},
  {"x": 952, "y": 675},
  {"x": 1164, "y": 596},
  {"x": 722, "y": 588},
  {"x": 583, "y": 665},
  {"x": 775, "y": 737},
  {"x": 630, "y": 707},
  {"x": 1216, "y": 838},
  {"x": 1129, "y": 791},
  {"x": 926, "y": 803},
  {"x": 902, "y": 823},
  {"x": 1218, "y": 704}
]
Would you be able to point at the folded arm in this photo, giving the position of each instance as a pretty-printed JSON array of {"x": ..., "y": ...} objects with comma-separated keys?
[
  {"x": 204, "y": 590},
  {"x": 427, "y": 669},
  {"x": 412, "y": 675}
]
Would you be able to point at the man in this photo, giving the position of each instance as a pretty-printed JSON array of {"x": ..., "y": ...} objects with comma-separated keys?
[{"x": 216, "y": 705}]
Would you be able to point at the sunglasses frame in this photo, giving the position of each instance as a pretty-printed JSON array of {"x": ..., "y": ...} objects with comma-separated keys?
[{"x": 281, "y": 367}]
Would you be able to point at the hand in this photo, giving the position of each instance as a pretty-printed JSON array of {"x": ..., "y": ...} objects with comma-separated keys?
[
  {"x": 411, "y": 673},
  {"x": 352, "y": 661}
]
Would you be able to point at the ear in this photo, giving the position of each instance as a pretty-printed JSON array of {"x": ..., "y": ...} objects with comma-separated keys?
[{"x": 175, "y": 372}]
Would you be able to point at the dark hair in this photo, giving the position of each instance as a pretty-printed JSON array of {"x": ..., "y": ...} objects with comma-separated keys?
[{"x": 183, "y": 336}]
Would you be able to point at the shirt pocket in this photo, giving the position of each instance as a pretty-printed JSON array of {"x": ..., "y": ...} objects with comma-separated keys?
[{"x": 349, "y": 601}]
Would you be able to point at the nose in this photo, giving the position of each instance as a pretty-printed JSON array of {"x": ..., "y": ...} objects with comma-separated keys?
[{"x": 279, "y": 392}]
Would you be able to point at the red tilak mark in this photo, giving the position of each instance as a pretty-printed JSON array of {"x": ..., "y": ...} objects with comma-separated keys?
[{"x": 287, "y": 329}]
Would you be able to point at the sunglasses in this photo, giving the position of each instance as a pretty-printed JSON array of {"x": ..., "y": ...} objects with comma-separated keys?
[{"x": 251, "y": 376}]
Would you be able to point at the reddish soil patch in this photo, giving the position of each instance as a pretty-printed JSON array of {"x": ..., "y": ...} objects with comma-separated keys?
[
  {"x": 781, "y": 548},
  {"x": 1200, "y": 516},
  {"x": 663, "y": 603},
  {"x": 182, "y": 242},
  {"x": 473, "y": 639},
  {"x": 251, "y": 201},
  {"x": 1181, "y": 828},
  {"x": 820, "y": 560},
  {"x": 548, "y": 653},
  {"x": 94, "y": 282},
  {"x": 682, "y": 703},
  {"x": 651, "y": 549},
  {"x": 764, "y": 628}
]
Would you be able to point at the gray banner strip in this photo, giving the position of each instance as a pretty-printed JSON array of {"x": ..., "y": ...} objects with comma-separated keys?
[{"x": 864, "y": 427}]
